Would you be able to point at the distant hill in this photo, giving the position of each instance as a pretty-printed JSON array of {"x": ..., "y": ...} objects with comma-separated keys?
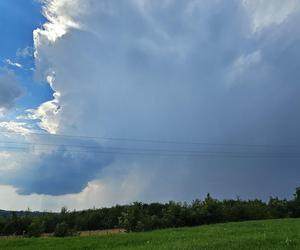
[{"x": 6, "y": 213}]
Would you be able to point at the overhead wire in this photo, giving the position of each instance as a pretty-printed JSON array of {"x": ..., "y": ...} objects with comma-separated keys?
[
  {"x": 104, "y": 149},
  {"x": 152, "y": 140},
  {"x": 169, "y": 153}
]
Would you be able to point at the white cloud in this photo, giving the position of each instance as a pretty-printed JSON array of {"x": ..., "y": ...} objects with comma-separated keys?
[
  {"x": 15, "y": 64},
  {"x": 265, "y": 13},
  {"x": 25, "y": 52},
  {"x": 16, "y": 127},
  {"x": 243, "y": 64},
  {"x": 59, "y": 14},
  {"x": 47, "y": 114}
]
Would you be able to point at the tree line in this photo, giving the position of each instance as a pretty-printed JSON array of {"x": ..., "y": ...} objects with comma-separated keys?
[{"x": 143, "y": 217}]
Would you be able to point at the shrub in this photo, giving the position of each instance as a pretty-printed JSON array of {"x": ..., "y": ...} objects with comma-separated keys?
[
  {"x": 61, "y": 230},
  {"x": 35, "y": 229}
]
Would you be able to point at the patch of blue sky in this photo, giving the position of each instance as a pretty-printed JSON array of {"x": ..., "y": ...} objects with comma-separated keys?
[
  {"x": 34, "y": 93},
  {"x": 18, "y": 19}
]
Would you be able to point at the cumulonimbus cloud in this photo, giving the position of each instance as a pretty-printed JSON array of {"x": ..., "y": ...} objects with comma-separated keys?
[{"x": 209, "y": 71}]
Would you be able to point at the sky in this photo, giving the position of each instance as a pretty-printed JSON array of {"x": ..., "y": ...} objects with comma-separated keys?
[{"x": 110, "y": 102}]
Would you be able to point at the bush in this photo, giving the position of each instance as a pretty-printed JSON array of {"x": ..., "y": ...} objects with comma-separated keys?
[
  {"x": 61, "y": 230},
  {"x": 35, "y": 229}
]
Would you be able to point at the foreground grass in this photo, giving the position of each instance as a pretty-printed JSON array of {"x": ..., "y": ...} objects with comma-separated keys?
[{"x": 267, "y": 234}]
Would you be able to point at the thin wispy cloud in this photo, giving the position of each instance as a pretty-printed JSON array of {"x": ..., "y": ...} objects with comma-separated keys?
[{"x": 14, "y": 64}]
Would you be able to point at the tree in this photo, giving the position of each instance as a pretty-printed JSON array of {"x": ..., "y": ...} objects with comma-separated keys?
[{"x": 278, "y": 208}]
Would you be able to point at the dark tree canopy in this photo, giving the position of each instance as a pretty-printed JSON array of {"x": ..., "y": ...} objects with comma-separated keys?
[{"x": 142, "y": 217}]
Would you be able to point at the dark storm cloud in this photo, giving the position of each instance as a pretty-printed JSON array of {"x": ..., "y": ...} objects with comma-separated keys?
[{"x": 61, "y": 171}]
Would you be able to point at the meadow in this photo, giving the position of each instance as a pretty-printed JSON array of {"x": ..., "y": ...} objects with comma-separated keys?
[{"x": 264, "y": 234}]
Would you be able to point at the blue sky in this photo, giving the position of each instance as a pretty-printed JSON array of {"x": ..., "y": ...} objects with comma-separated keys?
[
  {"x": 18, "y": 19},
  {"x": 221, "y": 76}
]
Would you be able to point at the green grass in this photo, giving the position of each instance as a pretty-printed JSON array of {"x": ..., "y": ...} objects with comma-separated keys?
[{"x": 267, "y": 234}]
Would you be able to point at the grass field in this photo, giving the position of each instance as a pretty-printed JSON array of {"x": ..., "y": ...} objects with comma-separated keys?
[{"x": 267, "y": 234}]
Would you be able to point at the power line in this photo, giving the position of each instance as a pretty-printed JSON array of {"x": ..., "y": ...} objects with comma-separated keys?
[
  {"x": 139, "y": 140},
  {"x": 199, "y": 154},
  {"x": 135, "y": 149}
]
